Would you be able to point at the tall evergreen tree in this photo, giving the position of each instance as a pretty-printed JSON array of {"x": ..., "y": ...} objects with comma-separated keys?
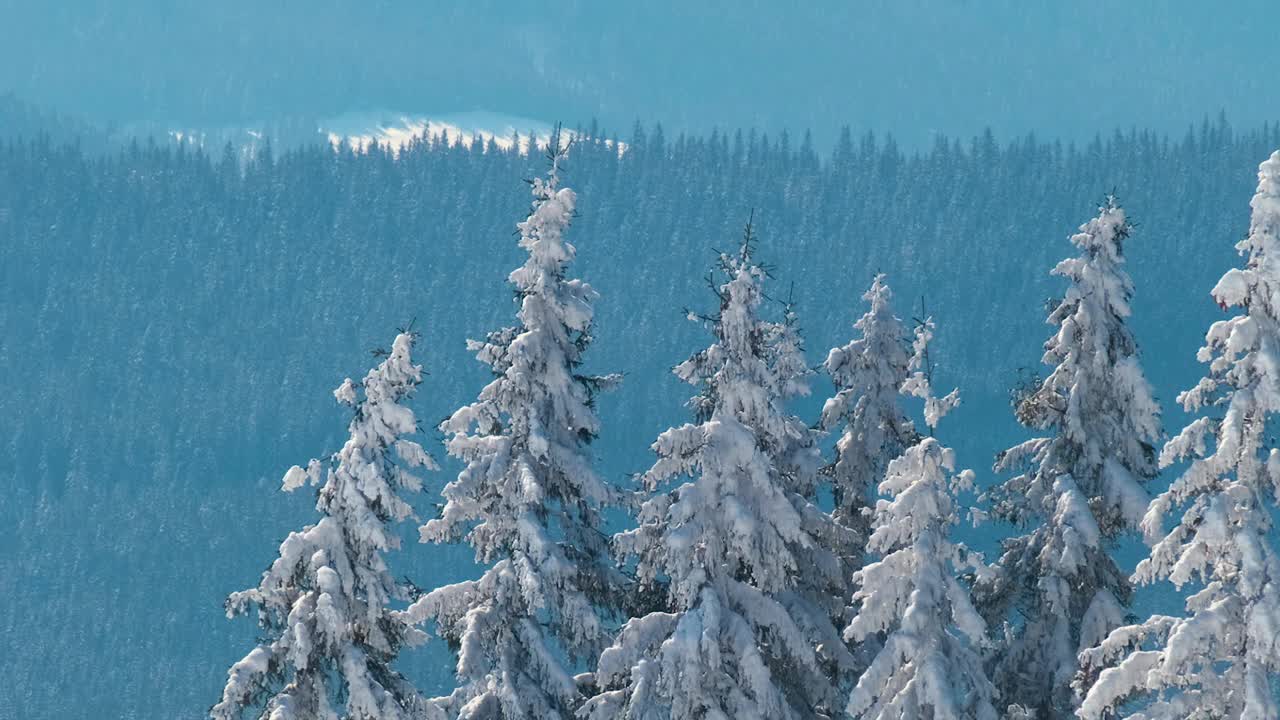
[
  {"x": 928, "y": 663},
  {"x": 868, "y": 374},
  {"x": 818, "y": 601},
  {"x": 528, "y": 500},
  {"x": 324, "y": 603},
  {"x": 729, "y": 545},
  {"x": 1080, "y": 486},
  {"x": 1220, "y": 661}
]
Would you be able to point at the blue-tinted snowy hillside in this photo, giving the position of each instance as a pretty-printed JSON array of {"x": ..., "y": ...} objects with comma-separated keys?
[{"x": 172, "y": 328}]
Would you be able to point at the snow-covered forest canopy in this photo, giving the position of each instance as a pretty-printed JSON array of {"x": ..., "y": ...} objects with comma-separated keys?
[{"x": 800, "y": 539}]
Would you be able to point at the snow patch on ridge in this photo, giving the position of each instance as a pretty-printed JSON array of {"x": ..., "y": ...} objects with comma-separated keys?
[
  {"x": 401, "y": 129},
  {"x": 394, "y": 129}
]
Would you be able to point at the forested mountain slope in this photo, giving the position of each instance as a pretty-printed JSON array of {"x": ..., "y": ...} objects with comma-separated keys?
[{"x": 171, "y": 328}]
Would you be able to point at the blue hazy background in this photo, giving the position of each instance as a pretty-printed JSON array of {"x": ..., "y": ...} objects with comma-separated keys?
[
  {"x": 172, "y": 321},
  {"x": 913, "y": 67}
]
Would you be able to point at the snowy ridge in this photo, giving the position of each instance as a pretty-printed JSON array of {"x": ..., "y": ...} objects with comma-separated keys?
[
  {"x": 400, "y": 129},
  {"x": 397, "y": 130}
]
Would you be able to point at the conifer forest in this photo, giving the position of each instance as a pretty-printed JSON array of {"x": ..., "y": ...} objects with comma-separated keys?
[{"x": 680, "y": 418}]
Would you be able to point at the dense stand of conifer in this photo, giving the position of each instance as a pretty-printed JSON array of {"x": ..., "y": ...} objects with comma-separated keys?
[{"x": 168, "y": 315}]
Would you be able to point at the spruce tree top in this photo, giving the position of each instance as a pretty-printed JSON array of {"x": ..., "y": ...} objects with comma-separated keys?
[
  {"x": 324, "y": 603},
  {"x": 729, "y": 543},
  {"x": 868, "y": 374},
  {"x": 527, "y": 499}
]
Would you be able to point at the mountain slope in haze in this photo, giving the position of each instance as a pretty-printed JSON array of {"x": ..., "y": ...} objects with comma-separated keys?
[
  {"x": 915, "y": 67},
  {"x": 172, "y": 329}
]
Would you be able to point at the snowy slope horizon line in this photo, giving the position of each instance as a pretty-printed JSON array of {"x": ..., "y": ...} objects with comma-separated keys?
[
  {"x": 393, "y": 129},
  {"x": 19, "y": 118},
  {"x": 399, "y": 129}
]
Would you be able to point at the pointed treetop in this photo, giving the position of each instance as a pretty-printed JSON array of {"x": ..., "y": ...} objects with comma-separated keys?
[
  {"x": 920, "y": 383},
  {"x": 746, "y": 248},
  {"x": 331, "y": 638},
  {"x": 527, "y": 499}
]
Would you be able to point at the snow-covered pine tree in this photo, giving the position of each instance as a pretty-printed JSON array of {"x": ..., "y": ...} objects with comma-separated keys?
[
  {"x": 740, "y": 638},
  {"x": 1220, "y": 661},
  {"x": 527, "y": 499},
  {"x": 930, "y": 662},
  {"x": 818, "y": 601},
  {"x": 323, "y": 604},
  {"x": 868, "y": 374},
  {"x": 1079, "y": 487}
]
